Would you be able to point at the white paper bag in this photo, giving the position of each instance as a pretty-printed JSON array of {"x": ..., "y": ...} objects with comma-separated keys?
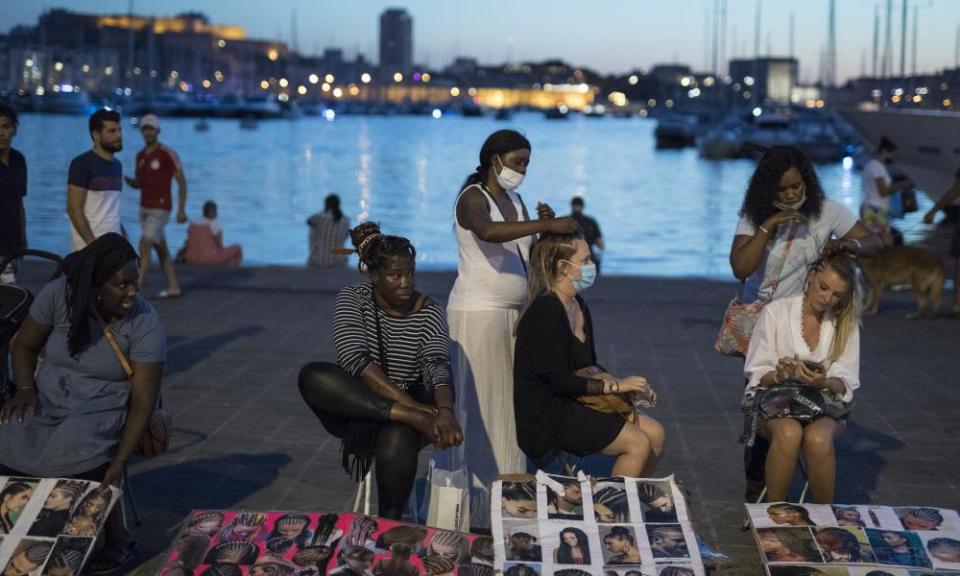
[{"x": 449, "y": 499}]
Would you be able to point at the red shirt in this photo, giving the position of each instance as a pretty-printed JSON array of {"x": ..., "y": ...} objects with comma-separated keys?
[{"x": 155, "y": 171}]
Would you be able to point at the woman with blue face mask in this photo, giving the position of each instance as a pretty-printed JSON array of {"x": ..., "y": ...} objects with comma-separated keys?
[
  {"x": 556, "y": 362},
  {"x": 494, "y": 234}
]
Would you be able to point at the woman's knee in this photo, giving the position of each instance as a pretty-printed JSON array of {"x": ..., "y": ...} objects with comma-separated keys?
[
  {"x": 313, "y": 379},
  {"x": 785, "y": 432},
  {"x": 818, "y": 441},
  {"x": 655, "y": 434}
]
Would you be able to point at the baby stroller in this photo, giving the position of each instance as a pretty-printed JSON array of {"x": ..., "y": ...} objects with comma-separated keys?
[{"x": 14, "y": 305}]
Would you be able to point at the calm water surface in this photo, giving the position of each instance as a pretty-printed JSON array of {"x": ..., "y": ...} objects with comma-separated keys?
[{"x": 663, "y": 213}]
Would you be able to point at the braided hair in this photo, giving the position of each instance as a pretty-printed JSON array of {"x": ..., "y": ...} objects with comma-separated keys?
[
  {"x": 87, "y": 270},
  {"x": 500, "y": 142},
  {"x": 376, "y": 250}
]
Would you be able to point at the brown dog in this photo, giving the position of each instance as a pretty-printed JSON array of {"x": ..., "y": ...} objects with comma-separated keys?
[{"x": 920, "y": 268}]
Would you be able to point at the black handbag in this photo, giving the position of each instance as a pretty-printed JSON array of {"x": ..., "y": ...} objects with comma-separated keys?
[{"x": 792, "y": 399}]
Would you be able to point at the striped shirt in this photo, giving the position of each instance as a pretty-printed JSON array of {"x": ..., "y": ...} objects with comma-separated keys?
[
  {"x": 325, "y": 234},
  {"x": 416, "y": 345}
]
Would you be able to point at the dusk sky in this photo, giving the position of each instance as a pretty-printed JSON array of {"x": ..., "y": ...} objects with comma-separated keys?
[{"x": 607, "y": 35}]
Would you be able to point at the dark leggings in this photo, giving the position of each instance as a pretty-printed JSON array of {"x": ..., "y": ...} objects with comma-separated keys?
[{"x": 336, "y": 398}]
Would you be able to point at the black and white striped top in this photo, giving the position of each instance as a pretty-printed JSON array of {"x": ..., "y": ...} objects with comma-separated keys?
[{"x": 416, "y": 345}]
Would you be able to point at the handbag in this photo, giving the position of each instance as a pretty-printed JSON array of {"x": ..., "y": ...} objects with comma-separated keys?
[
  {"x": 607, "y": 403},
  {"x": 733, "y": 339},
  {"x": 791, "y": 399},
  {"x": 155, "y": 439}
]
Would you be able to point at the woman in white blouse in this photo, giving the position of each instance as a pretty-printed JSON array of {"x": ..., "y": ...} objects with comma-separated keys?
[{"x": 821, "y": 326}]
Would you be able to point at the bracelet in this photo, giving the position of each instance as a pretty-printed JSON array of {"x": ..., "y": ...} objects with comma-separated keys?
[
  {"x": 615, "y": 387},
  {"x": 764, "y": 230}
]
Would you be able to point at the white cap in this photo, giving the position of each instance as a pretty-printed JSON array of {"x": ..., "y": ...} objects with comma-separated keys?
[{"x": 150, "y": 120}]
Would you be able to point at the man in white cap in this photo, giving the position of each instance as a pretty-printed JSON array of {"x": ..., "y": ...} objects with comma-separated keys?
[{"x": 157, "y": 166}]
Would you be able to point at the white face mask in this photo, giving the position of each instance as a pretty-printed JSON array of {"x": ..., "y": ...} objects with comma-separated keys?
[
  {"x": 507, "y": 178},
  {"x": 795, "y": 206}
]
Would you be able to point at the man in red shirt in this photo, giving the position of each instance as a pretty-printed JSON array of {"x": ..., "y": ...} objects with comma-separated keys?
[{"x": 157, "y": 166}]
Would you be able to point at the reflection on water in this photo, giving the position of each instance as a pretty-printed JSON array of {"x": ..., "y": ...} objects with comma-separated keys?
[{"x": 665, "y": 213}]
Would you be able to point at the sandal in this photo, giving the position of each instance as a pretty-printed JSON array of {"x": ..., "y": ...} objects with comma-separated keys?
[
  {"x": 111, "y": 560},
  {"x": 166, "y": 295}
]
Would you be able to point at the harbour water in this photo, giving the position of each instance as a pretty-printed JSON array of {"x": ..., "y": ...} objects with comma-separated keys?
[{"x": 662, "y": 212}]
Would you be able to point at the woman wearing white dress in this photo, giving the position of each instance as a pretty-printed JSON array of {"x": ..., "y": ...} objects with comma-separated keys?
[
  {"x": 812, "y": 338},
  {"x": 494, "y": 234}
]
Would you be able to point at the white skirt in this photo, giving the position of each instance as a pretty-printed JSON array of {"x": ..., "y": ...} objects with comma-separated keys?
[{"x": 482, "y": 359}]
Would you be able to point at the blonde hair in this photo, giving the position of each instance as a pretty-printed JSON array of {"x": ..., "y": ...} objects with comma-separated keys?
[
  {"x": 542, "y": 274},
  {"x": 847, "y": 312}
]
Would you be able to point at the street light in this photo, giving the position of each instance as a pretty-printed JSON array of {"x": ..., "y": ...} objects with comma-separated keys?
[
  {"x": 329, "y": 78},
  {"x": 366, "y": 78},
  {"x": 314, "y": 78},
  {"x": 398, "y": 77}
]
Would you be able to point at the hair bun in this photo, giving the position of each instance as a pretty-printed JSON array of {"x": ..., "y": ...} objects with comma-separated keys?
[{"x": 362, "y": 237}]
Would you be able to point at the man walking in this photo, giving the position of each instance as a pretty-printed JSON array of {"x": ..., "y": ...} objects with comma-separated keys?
[
  {"x": 590, "y": 228},
  {"x": 95, "y": 181},
  {"x": 13, "y": 187},
  {"x": 157, "y": 166}
]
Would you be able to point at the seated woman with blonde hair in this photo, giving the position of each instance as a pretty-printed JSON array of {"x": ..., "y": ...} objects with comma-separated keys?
[
  {"x": 809, "y": 346},
  {"x": 556, "y": 362}
]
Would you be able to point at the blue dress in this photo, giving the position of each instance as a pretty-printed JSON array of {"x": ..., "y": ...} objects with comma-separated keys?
[{"x": 83, "y": 401}]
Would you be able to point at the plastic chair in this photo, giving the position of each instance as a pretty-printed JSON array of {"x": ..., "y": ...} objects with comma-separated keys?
[{"x": 363, "y": 488}]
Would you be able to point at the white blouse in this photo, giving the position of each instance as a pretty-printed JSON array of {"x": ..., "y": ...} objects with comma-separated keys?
[{"x": 778, "y": 333}]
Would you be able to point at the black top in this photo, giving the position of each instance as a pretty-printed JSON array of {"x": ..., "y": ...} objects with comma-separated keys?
[
  {"x": 589, "y": 226},
  {"x": 13, "y": 187},
  {"x": 547, "y": 355}
]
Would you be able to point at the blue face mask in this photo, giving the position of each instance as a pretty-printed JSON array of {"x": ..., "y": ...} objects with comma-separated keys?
[{"x": 588, "y": 274}]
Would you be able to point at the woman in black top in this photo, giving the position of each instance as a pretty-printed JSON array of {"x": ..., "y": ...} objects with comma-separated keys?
[
  {"x": 390, "y": 392},
  {"x": 556, "y": 362}
]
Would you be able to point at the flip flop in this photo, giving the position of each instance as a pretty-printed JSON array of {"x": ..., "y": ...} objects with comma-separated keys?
[{"x": 166, "y": 295}]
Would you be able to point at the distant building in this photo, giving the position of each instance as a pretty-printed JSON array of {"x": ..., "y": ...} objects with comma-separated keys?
[
  {"x": 768, "y": 81},
  {"x": 396, "y": 41}
]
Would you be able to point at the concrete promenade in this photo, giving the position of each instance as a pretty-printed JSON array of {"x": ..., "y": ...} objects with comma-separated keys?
[{"x": 244, "y": 439}]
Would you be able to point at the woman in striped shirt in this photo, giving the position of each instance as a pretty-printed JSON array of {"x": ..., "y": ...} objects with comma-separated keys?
[{"x": 390, "y": 392}]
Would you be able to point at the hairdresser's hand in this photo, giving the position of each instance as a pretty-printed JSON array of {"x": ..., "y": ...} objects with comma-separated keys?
[
  {"x": 24, "y": 403},
  {"x": 561, "y": 225},
  {"x": 834, "y": 246},
  {"x": 929, "y": 216},
  {"x": 544, "y": 211}
]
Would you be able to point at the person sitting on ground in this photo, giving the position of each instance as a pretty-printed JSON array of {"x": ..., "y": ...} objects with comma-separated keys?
[
  {"x": 328, "y": 230},
  {"x": 556, "y": 362},
  {"x": 390, "y": 392},
  {"x": 205, "y": 242},
  {"x": 79, "y": 416},
  {"x": 813, "y": 339}
]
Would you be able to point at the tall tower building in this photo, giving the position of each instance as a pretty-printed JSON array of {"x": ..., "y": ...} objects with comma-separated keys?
[{"x": 396, "y": 41}]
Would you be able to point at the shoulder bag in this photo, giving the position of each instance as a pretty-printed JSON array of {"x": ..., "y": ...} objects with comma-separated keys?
[
  {"x": 155, "y": 439},
  {"x": 740, "y": 319}
]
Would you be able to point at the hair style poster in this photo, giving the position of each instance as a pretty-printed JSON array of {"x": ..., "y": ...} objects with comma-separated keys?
[
  {"x": 245, "y": 543},
  {"x": 552, "y": 525},
  {"x": 48, "y": 525},
  {"x": 855, "y": 540}
]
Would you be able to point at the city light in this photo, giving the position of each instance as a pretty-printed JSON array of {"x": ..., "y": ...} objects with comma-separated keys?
[
  {"x": 184, "y": 86},
  {"x": 693, "y": 93},
  {"x": 222, "y": 43},
  {"x": 617, "y": 98},
  {"x": 354, "y": 90},
  {"x": 748, "y": 80},
  {"x": 284, "y": 83},
  {"x": 668, "y": 103},
  {"x": 337, "y": 92},
  {"x": 329, "y": 78},
  {"x": 652, "y": 102},
  {"x": 284, "y": 97},
  {"x": 108, "y": 70},
  {"x": 757, "y": 112},
  {"x": 425, "y": 77},
  {"x": 264, "y": 84},
  {"x": 895, "y": 99},
  {"x": 708, "y": 81},
  {"x": 314, "y": 79},
  {"x": 633, "y": 80},
  {"x": 897, "y": 92},
  {"x": 472, "y": 91},
  {"x": 366, "y": 78},
  {"x": 58, "y": 66},
  {"x": 272, "y": 54},
  {"x": 454, "y": 91},
  {"x": 86, "y": 68},
  {"x": 302, "y": 90},
  {"x": 40, "y": 91},
  {"x": 917, "y": 99},
  {"x": 947, "y": 102},
  {"x": 206, "y": 83},
  {"x": 329, "y": 115},
  {"x": 847, "y": 163},
  {"x": 174, "y": 74},
  {"x": 137, "y": 70},
  {"x": 397, "y": 77},
  {"x": 685, "y": 81},
  {"x": 28, "y": 62},
  {"x": 437, "y": 113},
  {"x": 325, "y": 87},
  {"x": 218, "y": 75}
]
